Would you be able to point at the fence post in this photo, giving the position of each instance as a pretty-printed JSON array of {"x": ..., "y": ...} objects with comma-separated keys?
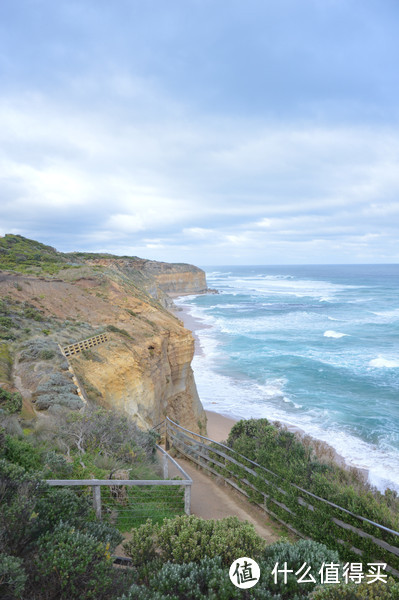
[
  {"x": 167, "y": 445},
  {"x": 97, "y": 500},
  {"x": 165, "y": 466},
  {"x": 187, "y": 499}
]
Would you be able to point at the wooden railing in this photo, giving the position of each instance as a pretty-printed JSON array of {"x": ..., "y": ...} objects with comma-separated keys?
[
  {"x": 303, "y": 512},
  {"x": 97, "y": 484}
]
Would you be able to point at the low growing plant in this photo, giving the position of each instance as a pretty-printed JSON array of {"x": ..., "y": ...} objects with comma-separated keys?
[
  {"x": 312, "y": 554},
  {"x": 74, "y": 565},
  {"x": 12, "y": 577},
  {"x": 190, "y": 539}
]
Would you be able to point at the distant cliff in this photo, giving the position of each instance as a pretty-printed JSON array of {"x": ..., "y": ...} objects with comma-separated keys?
[
  {"x": 50, "y": 299},
  {"x": 176, "y": 278},
  {"x": 158, "y": 278}
]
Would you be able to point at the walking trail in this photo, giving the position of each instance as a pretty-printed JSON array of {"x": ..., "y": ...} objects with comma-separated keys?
[
  {"x": 210, "y": 500},
  {"x": 213, "y": 500}
]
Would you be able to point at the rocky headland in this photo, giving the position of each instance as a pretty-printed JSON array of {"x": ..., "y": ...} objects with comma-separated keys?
[{"x": 50, "y": 300}]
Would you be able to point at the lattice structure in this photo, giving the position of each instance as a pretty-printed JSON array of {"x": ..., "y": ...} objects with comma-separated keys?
[{"x": 73, "y": 349}]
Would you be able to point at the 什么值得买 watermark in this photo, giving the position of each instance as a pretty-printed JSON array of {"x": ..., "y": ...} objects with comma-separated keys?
[{"x": 245, "y": 573}]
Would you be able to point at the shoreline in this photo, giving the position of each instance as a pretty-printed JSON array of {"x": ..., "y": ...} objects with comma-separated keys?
[{"x": 219, "y": 425}]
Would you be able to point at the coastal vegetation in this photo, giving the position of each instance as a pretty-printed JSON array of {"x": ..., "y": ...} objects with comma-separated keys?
[
  {"x": 289, "y": 468},
  {"x": 51, "y": 544}
]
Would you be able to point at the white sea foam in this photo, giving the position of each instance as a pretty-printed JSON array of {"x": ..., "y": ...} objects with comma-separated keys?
[
  {"x": 240, "y": 397},
  {"x": 334, "y": 334},
  {"x": 387, "y": 363},
  {"x": 283, "y": 285},
  {"x": 387, "y": 316}
]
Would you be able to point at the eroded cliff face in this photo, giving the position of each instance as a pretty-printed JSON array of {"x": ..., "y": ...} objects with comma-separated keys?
[
  {"x": 144, "y": 369},
  {"x": 159, "y": 278},
  {"x": 147, "y": 380},
  {"x": 177, "y": 278}
]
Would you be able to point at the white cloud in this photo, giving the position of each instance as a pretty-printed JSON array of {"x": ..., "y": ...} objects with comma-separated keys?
[{"x": 188, "y": 183}]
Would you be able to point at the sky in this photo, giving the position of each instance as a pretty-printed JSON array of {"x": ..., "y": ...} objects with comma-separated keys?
[{"x": 205, "y": 131}]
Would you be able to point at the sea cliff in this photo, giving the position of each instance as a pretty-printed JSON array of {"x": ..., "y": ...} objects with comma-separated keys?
[{"x": 144, "y": 367}]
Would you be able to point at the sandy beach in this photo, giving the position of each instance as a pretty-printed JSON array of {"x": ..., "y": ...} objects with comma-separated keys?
[{"x": 218, "y": 426}]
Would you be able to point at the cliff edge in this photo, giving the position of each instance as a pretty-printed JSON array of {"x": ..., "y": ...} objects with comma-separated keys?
[{"x": 51, "y": 300}]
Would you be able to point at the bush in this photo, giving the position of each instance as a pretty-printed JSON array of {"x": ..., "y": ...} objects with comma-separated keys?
[
  {"x": 39, "y": 349},
  {"x": 192, "y": 581},
  {"x": 22, "y": 453},
  {"x": 364, "y": 591},
  {"x": 10, "y": 402},
  {"x": 110, "y": 433},
  {"x": 18, "y": 517},
  {"x": 56, "y": 465},
  {"x": 295, "y": 555},
  {"x": 190, "y": 539},
  {"x": 103, "y": 532},
  {"x": 12, "y": 577},
  {"x": 47, "y": 354},
  {"x": 32, "y": 313},
  {"x": 6, "y": 322},
  {"x": 142, "y": 547},
  {"x": 71, "y": 401},
  {"x": 289, "y": 461},
  {"x": 74, "y": 565},
  {"x": 115, "y": 329},
  {"x": 206, "y": 580},
  {"x": 60, "y": 390},
  {"x": 63, "y": 504}
]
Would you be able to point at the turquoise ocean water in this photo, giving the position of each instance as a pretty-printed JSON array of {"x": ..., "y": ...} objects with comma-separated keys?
[{"x": 312, "y": 346}]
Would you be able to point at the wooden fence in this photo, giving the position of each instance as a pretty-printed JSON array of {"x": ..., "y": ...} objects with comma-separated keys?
[
  {"x": 303, "y": 512},
  {"x": 97, "y": 484}
]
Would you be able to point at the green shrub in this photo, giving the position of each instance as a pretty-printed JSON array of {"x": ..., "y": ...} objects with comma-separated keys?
[
  {"x": 56, "y": 466},
  {"x": 22, "y": 453},
  {"x": 284, "y": 461},
  {"x": 5, "y": 362},
  {"x": 295, "y": 555},
  {"x": 364, "y": 591},
  {"x": 104, "y": 532},
  {"x": 192, "y": 581},
  {"x": 207, "y": 579},
  {"x": 39, "y": 349},
  {"x": 18, "y": 517},
  {"x": 6, "y": 322},
  {"x": 66, "y": 399},
  {"x": 142, "y": 546},
  {"x": 115, "y": 329},
  {"x": 63, "y": 504},
  {"x": 33, "y": 313},
  {"x": 74, "y": 565},
  {"x": 57, "y": 390},
  {"x": 47, "y": 354},
  {"x": 110, "y": 433},
  {"x": 10, "y": 402},
  {"x": 188, "y": 539},
  {"x": 12, "y": 577}
]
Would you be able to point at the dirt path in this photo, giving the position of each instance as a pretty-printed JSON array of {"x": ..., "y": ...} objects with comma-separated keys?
[{"x": 210, "y": 500}]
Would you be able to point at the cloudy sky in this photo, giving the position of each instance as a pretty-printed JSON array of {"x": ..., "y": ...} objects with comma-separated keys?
[{"x": 203, "y": 131}]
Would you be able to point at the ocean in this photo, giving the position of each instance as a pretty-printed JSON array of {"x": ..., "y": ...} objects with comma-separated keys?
[{"x": 316, "y": 347}]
